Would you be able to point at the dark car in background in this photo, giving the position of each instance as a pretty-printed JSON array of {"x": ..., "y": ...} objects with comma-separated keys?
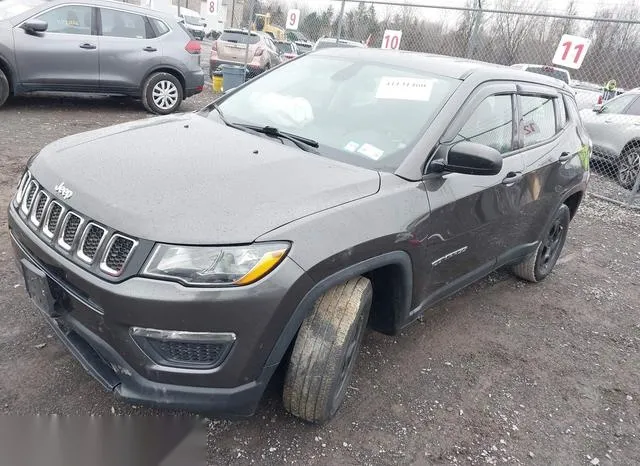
[
  {"x": 184, "y": 259},
  {"x": 326, "y": 42},
  {"x": 289, "y": 50},
  {"x": 98, "y": 46}
]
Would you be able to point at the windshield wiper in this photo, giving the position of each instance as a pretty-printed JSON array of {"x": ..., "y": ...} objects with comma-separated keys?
[{"x": 303, "y": 143}]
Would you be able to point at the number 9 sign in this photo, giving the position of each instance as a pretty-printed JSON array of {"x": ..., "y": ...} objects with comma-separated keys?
[
  {"x": 293, "y": 19},
  {"x": 391, "y": 39}
]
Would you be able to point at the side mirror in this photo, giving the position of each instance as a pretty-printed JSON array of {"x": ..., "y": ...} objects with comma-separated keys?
[
  {"x": 598, "y": 108},
  {"x": 469, "y": 158},
  {"x": 35, "y": 25}
]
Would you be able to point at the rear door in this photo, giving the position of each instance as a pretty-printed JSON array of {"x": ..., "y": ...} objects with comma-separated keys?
[
  {"x": 128, "y": 49},
  {"x": 63, "y": 58},
  {"x": 552, "y": 146},
  {"x": 473, "y": 217}
]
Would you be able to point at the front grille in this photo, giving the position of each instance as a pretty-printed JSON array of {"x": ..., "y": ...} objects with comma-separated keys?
[
  {"x": 66, "y": 230},
  {"x": 41, "y": 202},
  {"x": 90, "y": 242},
  {"x": 53, "y": 217},
  {"x": 118, "y": 252},
  {"x": 188, "y": 352},
  {"x": 27, "y": 202},
  {"x": 71, "y": 228}
]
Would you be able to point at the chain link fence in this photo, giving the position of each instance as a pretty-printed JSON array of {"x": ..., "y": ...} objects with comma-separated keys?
[{"x": 523, "y": 33}]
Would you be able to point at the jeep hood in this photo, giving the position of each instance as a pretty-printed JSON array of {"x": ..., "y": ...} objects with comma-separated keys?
[{"x": 186, "y": 179}]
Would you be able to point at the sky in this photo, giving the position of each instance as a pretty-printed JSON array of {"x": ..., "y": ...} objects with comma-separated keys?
[{"x": 584, "y": 7}]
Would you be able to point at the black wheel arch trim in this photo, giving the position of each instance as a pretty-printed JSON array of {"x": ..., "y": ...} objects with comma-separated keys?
[{"x": 398, "y": 258}]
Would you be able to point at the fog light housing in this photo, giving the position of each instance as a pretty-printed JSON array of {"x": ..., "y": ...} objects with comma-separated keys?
[{"x": 181, "y": 349}]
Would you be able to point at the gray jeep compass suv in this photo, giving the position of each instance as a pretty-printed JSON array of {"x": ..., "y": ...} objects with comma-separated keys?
[
  {"x": 97, "y": 46},
  {"x": 350, "y": 188}
]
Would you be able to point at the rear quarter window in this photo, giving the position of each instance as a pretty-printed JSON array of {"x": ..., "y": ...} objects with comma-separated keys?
[{"x": 159, "y": 27}]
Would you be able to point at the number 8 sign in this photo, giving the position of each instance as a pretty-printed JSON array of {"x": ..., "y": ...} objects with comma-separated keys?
[
  {"x": 571, "y": 51},
  {"x": 293, "y": 19},
  {"x": 391, "y": 39}
]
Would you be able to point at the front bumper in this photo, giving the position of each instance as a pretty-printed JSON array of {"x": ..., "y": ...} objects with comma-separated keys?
[{"x": 94, "y": 318}]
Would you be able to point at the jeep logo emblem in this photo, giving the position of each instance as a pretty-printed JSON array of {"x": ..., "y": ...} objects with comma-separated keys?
[{"x": 64, "y": 192}]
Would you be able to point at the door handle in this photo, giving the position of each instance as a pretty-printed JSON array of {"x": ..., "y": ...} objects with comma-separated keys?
[
  {"x": 87, "y": 46},
  {"x": 565, "y": 156},
  {"x": 150, "y": 49},
  {"x": 511, "y": 178}
]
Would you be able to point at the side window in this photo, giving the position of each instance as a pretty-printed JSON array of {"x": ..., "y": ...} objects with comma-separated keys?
[
  {"x": 618, "y": 104},
  {"x": 538, "y": 119},
  {"x": 634, "y": 108},
  {"x": 121, "y": 24},
  {"x": 562, "y": 112},
  {"x": 72, "y": 19},
  {"x": 160, "y": 27},
  {"x": 491, "y": 124}
]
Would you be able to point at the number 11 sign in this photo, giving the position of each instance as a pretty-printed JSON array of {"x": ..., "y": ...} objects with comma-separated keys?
[{"x": 571, "y": 51}]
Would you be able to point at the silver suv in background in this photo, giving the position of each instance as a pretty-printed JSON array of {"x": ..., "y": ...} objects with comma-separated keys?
[
  {"x": 97, "y": 46},
  {"x": 231, "y": 49}
]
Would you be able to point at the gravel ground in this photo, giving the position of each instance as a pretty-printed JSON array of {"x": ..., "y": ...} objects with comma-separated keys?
[{"x": 504, "y": 372}]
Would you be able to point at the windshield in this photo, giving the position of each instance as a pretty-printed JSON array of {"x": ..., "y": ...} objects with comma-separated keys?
[
  {"x": 368, "y": 114},
  {"x": 549, "y": 71},
  {"x": 11, "y": 8},
  {"x": 193, "y": 20}
]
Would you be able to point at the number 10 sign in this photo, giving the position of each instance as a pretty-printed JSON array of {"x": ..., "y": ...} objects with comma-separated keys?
[{"x": 571, "y": 51}]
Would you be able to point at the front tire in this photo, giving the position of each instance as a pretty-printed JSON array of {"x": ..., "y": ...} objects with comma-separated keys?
[
  {"x": 326, "y": 348},
  {"x": 162, "y": 93},
  {"x": 628, "y": 168},
  {"x": 539, "y": 264},
  {"x": 4, "y": 88}
]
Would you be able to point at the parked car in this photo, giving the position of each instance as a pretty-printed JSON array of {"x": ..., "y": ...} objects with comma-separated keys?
[
  {"x": 553, "y": 71},
  {"x": 325, "y": 42},
  {"x": 231, "y": 49},
  {"x": 614, "y": 128},
  {"x": 350, "y": 188},
  {"x": 304, "y": 47},
  {"x": 102, "y": 47},
  {"x": 299, "y": 39},
  {"x": 289, "y": 50}
]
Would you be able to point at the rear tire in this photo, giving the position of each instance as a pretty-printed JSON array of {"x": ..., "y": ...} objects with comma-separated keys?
[
  {"x": 4, "y": 88},
  {"x": 162, "y": 93},
  {"x": 539, "y": 264},
  {"x": 628, "y": 168},
  {"x": 325, "y": 351}
]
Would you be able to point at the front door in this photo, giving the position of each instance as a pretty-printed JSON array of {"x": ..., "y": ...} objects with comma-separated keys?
[
  {"x": 64, "y": 57},
  {"x": 472, "y": 216}
]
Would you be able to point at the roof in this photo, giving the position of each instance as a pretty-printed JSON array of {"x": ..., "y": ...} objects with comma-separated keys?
[{"x": 443, "y": 65}]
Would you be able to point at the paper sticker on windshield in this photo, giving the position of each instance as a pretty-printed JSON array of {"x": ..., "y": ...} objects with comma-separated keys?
[
  {"x": 405, "y": 88},
  {"x": 352, "y": 146},
  {"x": 370, "y": 151}
]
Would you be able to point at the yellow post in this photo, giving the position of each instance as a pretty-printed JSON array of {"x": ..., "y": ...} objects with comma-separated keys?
[{"x": 216, "y": 82}]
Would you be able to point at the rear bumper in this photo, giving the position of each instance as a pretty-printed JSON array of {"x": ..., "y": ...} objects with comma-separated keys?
[
  {"x": 194, "y": 83},
  {"x": 252, "y": 70}
]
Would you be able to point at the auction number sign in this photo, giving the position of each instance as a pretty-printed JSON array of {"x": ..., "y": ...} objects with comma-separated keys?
[
  {"x": 212, "y": 7},
  {"x": 571, "y": 51},
  {"x": 391, "y": 39},
  {"x": 293, "y": 19}
]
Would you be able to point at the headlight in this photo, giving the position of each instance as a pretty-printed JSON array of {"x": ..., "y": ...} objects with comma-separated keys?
[{"x": 198, "y": 265}]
